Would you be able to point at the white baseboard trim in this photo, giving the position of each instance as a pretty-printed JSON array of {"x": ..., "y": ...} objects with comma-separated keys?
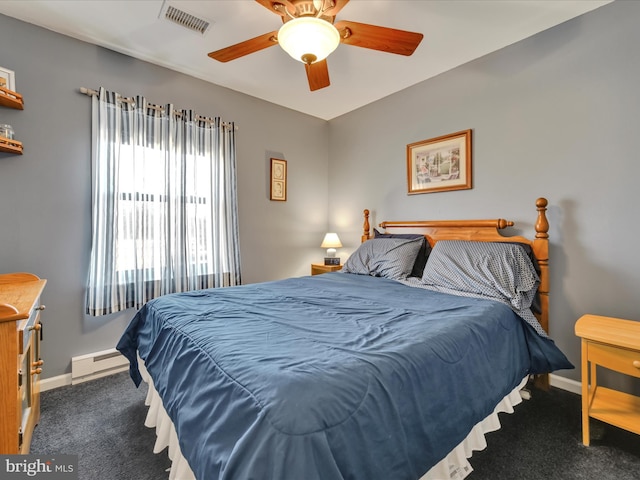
[
  {"x": 104, "y": 373},
  {"x": 565, "y": 384},
  {"x": 64, "y": 380},
  {"x": 97, "y": 365},
  {"x": 55, "y": 382}
]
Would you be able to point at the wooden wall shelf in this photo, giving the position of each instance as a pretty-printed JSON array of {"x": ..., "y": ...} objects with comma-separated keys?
[
  {"x": 10, "y": 146},
  {"x": 11, "y": 99}
]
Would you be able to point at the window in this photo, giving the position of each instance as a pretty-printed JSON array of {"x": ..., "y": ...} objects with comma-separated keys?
[{"x": 164, "y": 204}]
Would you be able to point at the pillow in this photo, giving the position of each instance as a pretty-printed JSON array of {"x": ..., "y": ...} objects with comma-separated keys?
[
  {"x": 423, "y": 253},
  {"x": 535, "y": 305},
  {"x": 384, "y": 257},
  {"x": 502, "y": 271}
]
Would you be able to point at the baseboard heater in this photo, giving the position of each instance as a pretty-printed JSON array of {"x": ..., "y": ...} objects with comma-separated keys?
[{"x": 97, "y": 365}]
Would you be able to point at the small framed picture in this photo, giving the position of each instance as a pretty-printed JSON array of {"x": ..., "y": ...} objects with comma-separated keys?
[
  {"x": 7, "y": 79},
  {"x": 278, "y": 190},
  {"x": 440, "y": 164}
]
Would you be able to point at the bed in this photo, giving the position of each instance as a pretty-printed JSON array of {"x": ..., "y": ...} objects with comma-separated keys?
[{"x": 389, "y": 369}]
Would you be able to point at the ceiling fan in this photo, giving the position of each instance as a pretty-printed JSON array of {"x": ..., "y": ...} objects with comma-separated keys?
[{"x": 309, "y": 34}]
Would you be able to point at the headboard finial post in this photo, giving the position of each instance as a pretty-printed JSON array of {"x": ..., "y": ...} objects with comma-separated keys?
[
  {"x": 542, "y": 224},
  {"x": 366, "y": 228},
  {"x": 502, "y": 223}
]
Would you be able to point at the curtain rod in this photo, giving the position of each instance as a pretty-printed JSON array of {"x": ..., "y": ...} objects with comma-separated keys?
[{"x": 91, "y": 93}]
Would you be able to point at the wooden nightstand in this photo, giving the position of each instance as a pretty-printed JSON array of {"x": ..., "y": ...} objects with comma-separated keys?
[
  {"x": 318, "y": 268},
  {"x": 614, "y": 344}
]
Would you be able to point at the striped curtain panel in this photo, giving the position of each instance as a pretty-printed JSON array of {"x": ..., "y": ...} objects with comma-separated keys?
[{"x": 165, "y": 212}]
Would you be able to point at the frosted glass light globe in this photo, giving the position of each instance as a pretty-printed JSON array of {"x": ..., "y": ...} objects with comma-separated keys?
[{"x": 308, "y": 39}]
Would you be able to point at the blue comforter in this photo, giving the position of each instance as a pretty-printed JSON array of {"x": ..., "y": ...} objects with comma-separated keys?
[{"x": 330, "y": 377}]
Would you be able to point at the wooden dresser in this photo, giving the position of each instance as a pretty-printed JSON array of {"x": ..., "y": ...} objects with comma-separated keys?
[{"x": 20, "y": 362}]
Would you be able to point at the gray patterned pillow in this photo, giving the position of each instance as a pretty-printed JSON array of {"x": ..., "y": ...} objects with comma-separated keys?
[
  {"x": 423, "y": 253},
  {"x": 384, "y": 257},
  {"x": 490, "y": 269}
]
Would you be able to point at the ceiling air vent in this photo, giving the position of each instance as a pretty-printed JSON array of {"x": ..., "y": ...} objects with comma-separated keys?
[{"x": 184, "y": 19}]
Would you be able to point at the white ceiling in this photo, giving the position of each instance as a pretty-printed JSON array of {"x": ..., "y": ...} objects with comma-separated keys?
[{"x": 455, "y": 32}]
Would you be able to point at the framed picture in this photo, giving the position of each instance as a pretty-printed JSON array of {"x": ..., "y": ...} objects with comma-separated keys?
[
  {"x": 440, "y": 164},
  {"x": 278, "y": 180},
  {"x": 7, "y": 79}
]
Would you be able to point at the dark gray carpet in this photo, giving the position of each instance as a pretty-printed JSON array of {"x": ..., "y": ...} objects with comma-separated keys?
[
  {"x": 102, "y": 422},
  {"x": 542, "y": 440}
]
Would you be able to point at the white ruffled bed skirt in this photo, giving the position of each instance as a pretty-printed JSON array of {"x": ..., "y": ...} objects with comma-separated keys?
[{"x": 454, "y": 466}]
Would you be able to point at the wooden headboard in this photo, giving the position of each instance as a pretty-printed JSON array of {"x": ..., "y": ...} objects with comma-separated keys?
[{"x": 485, "y": 231}]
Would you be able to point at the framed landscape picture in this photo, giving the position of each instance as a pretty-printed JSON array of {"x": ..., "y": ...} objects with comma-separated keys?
[
  {"x": 278, "y": 190},
  {"x": 440, "y": 164},
  {"x": 7, "y": 79}
]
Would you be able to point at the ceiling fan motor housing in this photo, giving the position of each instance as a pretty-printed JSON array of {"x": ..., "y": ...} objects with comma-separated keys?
[{"x": 304, "y": 8}]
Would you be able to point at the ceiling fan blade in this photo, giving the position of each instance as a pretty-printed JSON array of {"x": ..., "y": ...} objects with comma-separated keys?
[
  {"x": 384, "y": 39},
  {"x": 268, "y": 4},
  {"x": 245, "y": 48},
  {"x": 318, "y": 75},
  {"x": 338, "y": 5}
]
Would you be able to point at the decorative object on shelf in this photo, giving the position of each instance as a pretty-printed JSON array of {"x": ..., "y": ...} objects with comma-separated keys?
[
  {"x": 7, "y": 142},
  {"x": 278, "y": 189},
  {"x": 440, "y": 164},
  {"x": 6, "y": 131},
  {"x": 331, "y": 242},
  {"x": 7, "y": 78}
]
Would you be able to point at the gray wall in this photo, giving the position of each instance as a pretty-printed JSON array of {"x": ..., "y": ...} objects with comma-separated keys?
[
  {"x": 555, "y": 115},
  {"x": 45, "y": 194}
]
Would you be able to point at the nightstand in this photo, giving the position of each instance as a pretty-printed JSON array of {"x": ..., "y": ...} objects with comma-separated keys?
[
  {"x": 318, "y": 268},
  {"x": 614, "y": 344}
]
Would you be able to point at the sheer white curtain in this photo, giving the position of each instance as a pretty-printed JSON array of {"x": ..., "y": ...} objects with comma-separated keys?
[{"x": 164, "y": 210}]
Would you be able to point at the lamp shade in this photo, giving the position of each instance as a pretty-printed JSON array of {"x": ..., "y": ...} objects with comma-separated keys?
[
  {"x": 308, "y": 39},
  {"x": 331, "y": 240}
]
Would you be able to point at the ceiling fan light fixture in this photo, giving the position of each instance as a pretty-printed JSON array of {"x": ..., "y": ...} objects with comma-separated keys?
[{"x": 308, "y": 39}]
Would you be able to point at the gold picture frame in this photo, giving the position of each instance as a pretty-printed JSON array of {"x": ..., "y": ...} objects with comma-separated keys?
[
  {"x": 439, "y": 164},
  {"x": 278, "y": 183}
]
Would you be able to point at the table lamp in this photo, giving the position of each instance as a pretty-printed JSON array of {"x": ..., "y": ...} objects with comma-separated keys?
[{"x": 331, "y": 242}]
